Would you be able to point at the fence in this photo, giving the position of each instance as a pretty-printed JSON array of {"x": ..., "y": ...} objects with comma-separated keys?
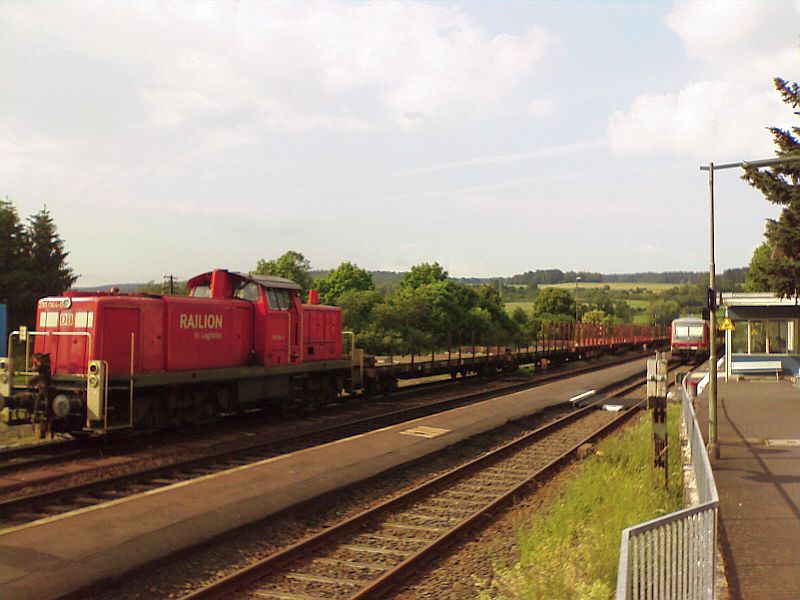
[{"x": 674, "y": 556}]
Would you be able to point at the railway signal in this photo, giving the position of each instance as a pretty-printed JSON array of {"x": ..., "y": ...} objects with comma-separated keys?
[{"x": 657, "y": 401}]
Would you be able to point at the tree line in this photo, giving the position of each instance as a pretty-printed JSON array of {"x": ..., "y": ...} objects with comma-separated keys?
[
  {"x": 34, "y": 262},
  {"x": 427, "y": 310},
  {"x": 554, "y": 276}
]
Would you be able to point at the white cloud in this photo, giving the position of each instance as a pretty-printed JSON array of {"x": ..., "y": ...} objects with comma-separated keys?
[
  {"x": 737, "y": 48},
  {"x": 705, "y": 120},
  {"x": 739, "y": 39},
  {"x": 541, "y": 153},
  {"x": 541, "y": 108},
  {"x": 309, "y": 64}
]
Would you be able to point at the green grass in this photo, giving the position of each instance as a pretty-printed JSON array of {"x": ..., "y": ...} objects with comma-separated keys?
[
  {"x": 526, "y": 305},
  {"x": 572, "y": 550},
  {"x": 638, "y": 303}
]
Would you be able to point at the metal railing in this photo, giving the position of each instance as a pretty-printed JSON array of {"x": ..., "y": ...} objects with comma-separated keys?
[{"x": 674, "y": 556}]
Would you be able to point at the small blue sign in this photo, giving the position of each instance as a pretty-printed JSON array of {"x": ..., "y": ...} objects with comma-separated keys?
[{"x": 3, "y": 337}]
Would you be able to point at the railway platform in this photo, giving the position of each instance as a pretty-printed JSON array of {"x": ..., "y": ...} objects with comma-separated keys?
[
  {"x": 62, "y": 555},
  {"x": 758, "y": 480}
]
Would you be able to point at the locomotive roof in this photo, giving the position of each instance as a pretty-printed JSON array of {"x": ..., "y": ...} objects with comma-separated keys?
[
  {"x": 265, "y": 280},
  {"x": 270, "y": 281}
]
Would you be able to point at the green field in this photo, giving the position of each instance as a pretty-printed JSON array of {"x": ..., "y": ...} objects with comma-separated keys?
[
  {"x": 615, "y": 285},
  {"x": 641, "y": 318}
]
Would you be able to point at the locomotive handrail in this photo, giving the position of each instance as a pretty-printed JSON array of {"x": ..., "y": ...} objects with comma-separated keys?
[{"x": 45, "y": 334}]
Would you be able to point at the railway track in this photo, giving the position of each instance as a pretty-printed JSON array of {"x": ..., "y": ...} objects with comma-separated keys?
[
  {"x": 31, "y": 456},
  {"x": 367, "y": 555},
  {"x": 25, "y": 509}
]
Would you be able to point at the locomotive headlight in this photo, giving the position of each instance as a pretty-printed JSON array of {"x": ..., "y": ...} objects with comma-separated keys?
[
  {"x": 6, "y": 376},
  {"x": 93, "y": 381},
  {"x": 92, "y": 368},
  {"x": 66, "y": 303}
]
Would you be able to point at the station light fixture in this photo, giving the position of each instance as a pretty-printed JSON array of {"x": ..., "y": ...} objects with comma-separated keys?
[{"x": 713, "y": 443}]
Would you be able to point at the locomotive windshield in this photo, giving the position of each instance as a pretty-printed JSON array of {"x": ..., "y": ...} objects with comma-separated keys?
[
  {"x": 201, "y": 291},
  {"x": 688, "y": 331}
]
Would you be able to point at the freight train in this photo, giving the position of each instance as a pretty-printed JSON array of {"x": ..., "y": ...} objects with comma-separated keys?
[{"x": 99, "y": 362}]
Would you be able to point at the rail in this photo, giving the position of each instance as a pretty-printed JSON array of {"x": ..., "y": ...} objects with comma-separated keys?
[{"x": 674, "y": 556}]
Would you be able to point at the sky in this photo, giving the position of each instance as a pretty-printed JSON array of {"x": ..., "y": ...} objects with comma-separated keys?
[{"x": 492, "y": 137}]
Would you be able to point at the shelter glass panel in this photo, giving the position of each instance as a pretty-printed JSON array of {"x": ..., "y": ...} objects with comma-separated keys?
[
  {"x": 758, "y": 337},
  {"x": 777, "y": 334},
  {"x": 739, "y": 337}
]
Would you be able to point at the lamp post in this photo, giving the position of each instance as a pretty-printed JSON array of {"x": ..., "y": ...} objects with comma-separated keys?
[
  {"x": 713, "y": 443},
  {"x": 577, "y": 279}
]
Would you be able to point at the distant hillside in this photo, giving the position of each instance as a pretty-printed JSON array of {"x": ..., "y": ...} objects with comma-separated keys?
[{"x": 726, "y": 280}]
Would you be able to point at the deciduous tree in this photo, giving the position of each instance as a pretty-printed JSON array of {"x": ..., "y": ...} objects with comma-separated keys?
[
  {"x": 346, "y": 277},
  {"x": 555, "y": 301},
  {"x": 291, "y": 265},
  {"x": 758, "y": 274},
  {"x": 422, "y": 274}
]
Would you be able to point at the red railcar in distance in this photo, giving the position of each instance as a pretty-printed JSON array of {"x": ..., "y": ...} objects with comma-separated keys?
[{"x": 689, "y": 339}]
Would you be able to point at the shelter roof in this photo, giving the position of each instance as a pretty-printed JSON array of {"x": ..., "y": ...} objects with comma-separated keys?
[{"x": 759, "y": 306}]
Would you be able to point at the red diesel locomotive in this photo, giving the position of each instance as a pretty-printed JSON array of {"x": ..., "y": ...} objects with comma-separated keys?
[{"x": 103, "y": 361}]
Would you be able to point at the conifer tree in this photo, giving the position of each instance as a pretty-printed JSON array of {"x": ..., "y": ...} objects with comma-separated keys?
[
  {"x": 48, "y": 259},
  {"x": 781, "y": 185},
  {"x": 14, "y": 263}
]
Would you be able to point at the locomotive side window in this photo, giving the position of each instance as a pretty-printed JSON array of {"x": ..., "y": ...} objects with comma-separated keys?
[
  {"x": 201, "y": 291},
  {"x": 278, "y": 299},
  {"x": 248, "y": 291}
]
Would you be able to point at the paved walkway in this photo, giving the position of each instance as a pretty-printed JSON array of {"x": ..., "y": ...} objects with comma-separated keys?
[{"x": 758, "y": 479}]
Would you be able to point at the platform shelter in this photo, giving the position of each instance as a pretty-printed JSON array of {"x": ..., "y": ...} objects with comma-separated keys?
[{"x": 766, "y": 332}]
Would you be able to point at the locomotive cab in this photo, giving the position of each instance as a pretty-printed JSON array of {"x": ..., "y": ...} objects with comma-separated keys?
[{"x": 277, "y": 311}]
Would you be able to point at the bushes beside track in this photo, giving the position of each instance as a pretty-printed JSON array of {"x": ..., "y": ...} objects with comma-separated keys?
[{"x": 572, "y": 550}]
